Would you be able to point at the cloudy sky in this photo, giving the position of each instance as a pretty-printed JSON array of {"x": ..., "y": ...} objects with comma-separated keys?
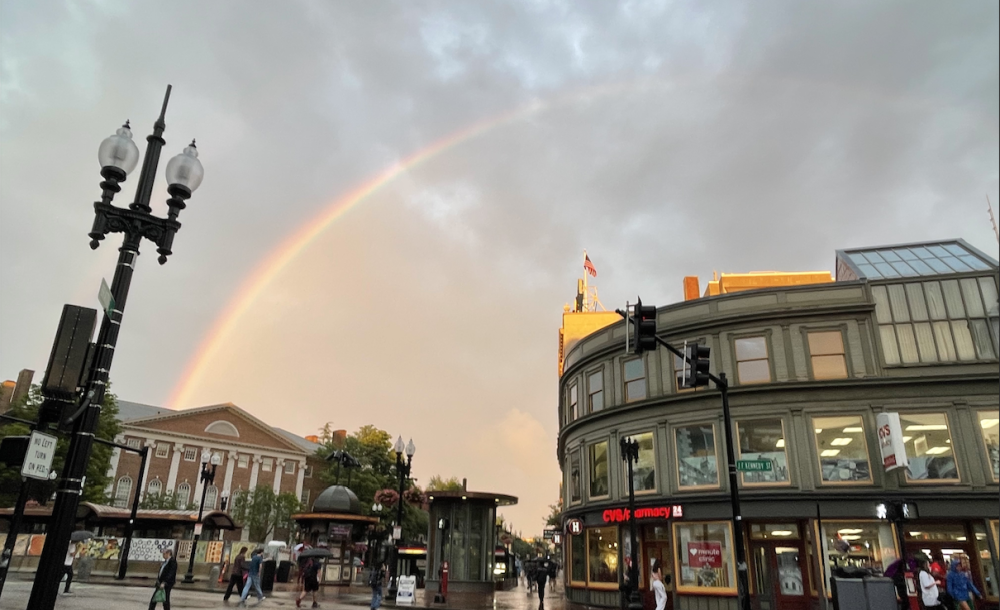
[{"x": 665, "y": 138}]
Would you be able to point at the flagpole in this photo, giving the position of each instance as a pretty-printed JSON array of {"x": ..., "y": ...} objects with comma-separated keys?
[
  {"x": 993, "y": 221},
  {"x": 586, "y": 291}
]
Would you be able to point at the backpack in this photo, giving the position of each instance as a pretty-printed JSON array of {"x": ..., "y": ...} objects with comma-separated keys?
[{"x": 375, "y": 578}]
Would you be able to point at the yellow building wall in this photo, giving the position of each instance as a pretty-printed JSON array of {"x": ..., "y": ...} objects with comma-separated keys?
[{"x": 577, "y": 325}]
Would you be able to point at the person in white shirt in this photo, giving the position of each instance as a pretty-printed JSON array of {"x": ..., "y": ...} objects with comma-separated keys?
[
  {"x": 68, "y": 566},
  {"x": 928, "y": 587},
  {"x": 659, "y": 590}
]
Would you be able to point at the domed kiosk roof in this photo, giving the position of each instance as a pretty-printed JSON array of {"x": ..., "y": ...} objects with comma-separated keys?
[{"x": 337, "y": 499}]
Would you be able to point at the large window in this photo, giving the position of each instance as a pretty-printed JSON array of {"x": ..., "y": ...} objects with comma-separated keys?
[
  {"x": 578, "y": 559},
  {"x": 643, "y": 471},
  {"x": 635, "y": 379},
  {"x": 826, "y": 354},
  {"x": 595, "y": 391},
  {"x": 183, "y": 495},
  {"x": 938, "y": 321},
  {"x": 764, "y": 440},
  {"x": 574, "y": 397},
  {"x": 162, "y": 450},
  {"x": 989, "y": 421},
  {"x": 857, "y": 544},
  {"x": 602, "y": 555},
  {"x": 155, "y": 487},
  {"x": 842, "y": 449},
  {"x": 751, "y": 360},
  {"x": 575, "y": 478},
  {"x": 123, "y": 493},
  {"x": 697, "y": 460},
  {"x": 928, "y": 447},
  {"x": 599, "y": 470},
  {"x": 704, "y": 553}
]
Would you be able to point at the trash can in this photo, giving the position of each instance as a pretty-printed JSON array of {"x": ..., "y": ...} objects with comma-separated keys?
[
  {"x": 284, "y": 571},
  {"x": 267, "y": 575}
]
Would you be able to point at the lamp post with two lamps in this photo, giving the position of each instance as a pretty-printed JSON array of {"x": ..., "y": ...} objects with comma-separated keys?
[
  {"x": 402, "y": 471},
  {"x": 209, "y": 462}
]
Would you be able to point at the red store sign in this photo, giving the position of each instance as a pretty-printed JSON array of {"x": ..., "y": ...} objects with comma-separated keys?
[{"x": 621, "y": 515}]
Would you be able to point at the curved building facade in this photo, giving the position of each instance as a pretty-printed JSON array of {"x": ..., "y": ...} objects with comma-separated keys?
[{"x": 910, "y": 329}]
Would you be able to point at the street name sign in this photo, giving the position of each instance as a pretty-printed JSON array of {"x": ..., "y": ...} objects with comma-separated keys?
[
  {"x": 105, "y": 297},
  {"x": 38, "y": 458},
  {"x": 753, "y": 465}
]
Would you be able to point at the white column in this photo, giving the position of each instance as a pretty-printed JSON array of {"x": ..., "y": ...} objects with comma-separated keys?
[
  {"x": 278, "y": 470},
  {"x": 175, "y": 462},
  {"x": 254, "y": 471},
  {"x": 151, "y": 451},
  {"x": 299, "y": 480},
  {"x": 230, "y": 467}
]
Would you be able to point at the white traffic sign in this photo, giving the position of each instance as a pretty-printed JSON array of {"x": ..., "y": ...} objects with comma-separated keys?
[{"x": 38, "y": 458}]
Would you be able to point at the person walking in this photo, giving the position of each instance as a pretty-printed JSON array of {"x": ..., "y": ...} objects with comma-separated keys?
[
  {"x": 68, "y": 566},
  {"x": 375, "y": 580},
  {"x": 165, "y": 580},
  {"x": 929, "y": 593},
  {"x": 960, "y": 586},
  {"x": 542, "y": 575},
  {"x": 659, "y": 590},
  {"x": 238, "y": 575},
  {"x": 310, "y": 581},
  {"x": 253, "y": 578}
]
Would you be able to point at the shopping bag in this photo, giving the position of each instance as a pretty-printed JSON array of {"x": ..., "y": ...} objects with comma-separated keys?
[{"x": 159, "y": 596}]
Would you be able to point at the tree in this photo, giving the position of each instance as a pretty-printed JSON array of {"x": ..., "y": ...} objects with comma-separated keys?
[
  {"x": 263, "y": 512},
  {"x": 160, "y": 501},
  {"x": 438, "y": 484},
  {"x": 108, "y": 427},
  {"x": 555, "y": 515}
]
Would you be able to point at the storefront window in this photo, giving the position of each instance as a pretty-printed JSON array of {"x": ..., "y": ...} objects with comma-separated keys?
[
  {"x": 697, "y": 464},
  {"x": 602, "y": 554},
  {"x": 643, "y": 471},
  {"x": 599, "y": 469},
  {"x": 842, "y": 449},
  {"x": 763, "y": 439},
  {"x": 857, "y": 544},
  {"x": 928, "y": 446},
  {"x": 575, "y": 486},
  {"x": 992, "y": 588},
  {"x": 989, "y": 421},
  {"x": 578, "y": 559},
  {"x": 704, "y": 553}
]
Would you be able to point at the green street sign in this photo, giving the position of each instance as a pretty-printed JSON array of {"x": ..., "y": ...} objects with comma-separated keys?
[
  {"x": 106, "y": 299},
  {"x": 753, "y": 465}
]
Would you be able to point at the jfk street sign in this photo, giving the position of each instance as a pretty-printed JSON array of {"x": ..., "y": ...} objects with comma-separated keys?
[
  {"x": 753, "y": 465},
  {"x": 38, "y": 458}
]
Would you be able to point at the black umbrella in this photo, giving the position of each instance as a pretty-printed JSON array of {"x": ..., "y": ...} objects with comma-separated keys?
[
  {"x": 323, "y": 553},
  {"x": 81, "y": 535}
]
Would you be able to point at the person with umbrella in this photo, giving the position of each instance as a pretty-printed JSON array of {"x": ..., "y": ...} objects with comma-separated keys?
[
  {"x": 312, "y": 561},
  {"x": 78, "y": 536}
]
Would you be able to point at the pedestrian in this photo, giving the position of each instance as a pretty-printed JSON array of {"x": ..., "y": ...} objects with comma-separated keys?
[
  {"x": 541, "y": 575},
  {"x": 253, "y": 577},
  {"x": 165, "y": 580},
  {"x": 68, "y": 566},
  {"x": 659, "y": 590},
  {"x": 238, "y": 576},
  {"x": 929, "y": 592},
  {"x": 960, "y": 585},
  {"x": 375, "y": 580},
  {"x": 310, "y": 581}
]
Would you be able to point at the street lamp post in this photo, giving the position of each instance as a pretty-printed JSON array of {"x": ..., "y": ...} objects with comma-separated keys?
[
  {"x": 402, "y": 471},
  {"x": 630, "y": 453},
  {"x": 207, "y": 478},
  {"x": 374, "y": 537},
  {"x": 118, "y": 156}
]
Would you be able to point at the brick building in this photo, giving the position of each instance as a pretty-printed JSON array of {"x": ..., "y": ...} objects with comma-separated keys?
[{"x": 252, "y": 453}]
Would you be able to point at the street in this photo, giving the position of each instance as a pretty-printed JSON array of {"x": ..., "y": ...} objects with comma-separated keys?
[{"x": 87, "y": 596}]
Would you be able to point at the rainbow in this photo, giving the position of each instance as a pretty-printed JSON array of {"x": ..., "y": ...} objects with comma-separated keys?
[{"x": 297, "y": 242}]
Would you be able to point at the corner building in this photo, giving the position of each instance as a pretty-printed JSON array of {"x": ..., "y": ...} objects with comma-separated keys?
[{"x": 910, "y": 329}]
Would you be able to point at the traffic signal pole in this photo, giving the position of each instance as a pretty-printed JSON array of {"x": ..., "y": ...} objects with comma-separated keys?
[{"x": 742, "y": 569}]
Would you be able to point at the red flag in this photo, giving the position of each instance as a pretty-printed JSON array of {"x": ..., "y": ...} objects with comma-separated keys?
[{"x": 589, "y": 266}]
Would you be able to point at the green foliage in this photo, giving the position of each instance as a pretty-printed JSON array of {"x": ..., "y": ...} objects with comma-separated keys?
[
  {"x": 522, "y": 549},
  {"x": 262, "y": 511},
  {"x": 160, "y": 501},
  {"x": 438, "y": 484},
  {"x": 555, "y": 515},
  {"x": 108, "y": 427}
]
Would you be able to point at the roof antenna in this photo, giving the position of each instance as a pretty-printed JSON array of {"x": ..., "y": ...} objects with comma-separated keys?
[{"x": 993, "y": 220}]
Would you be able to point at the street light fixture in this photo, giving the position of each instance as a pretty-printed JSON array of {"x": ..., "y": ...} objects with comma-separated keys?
[
  {"x": 402, "y": 471},
  {"x": 118, "y": 156},
  {"x": 207, "y": 478}
]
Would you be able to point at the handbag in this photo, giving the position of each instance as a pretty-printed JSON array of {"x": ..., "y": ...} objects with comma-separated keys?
[{"x": 159, "y": 596}]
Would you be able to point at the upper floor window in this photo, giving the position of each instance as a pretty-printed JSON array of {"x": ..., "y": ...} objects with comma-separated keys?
[
  {"x": 304, "y": 499},
  {"x": 183, "y": 494},
  {"x": 643, "y": 471},
  {"x": 635, "y": 379},
  {"x": 162, "y": 450},
  {"x": 989, "y": 421},
  {"x": 574, "y": 398},
  {"x": 826, "y": 354},
  {"x": 155, "y": 487},
  {"x": 243, "y": 461},
  {"x": 135, "y": 443},
  {"x": 190, "y": 454},
  {"x": 599, "y": 470},
  {"x": 575, "y": 478},
  {"x": 937, "y": 321},
  {"x": 123, "y": 492},
  {"x": 697, "y": 465},
  {"x": 763, "y": 440},
  {"x": 842, "y": 449},
  {"x": 267, "y": 464},
  {"x": 595, "y": 391},
  {"x": 752, "y": 365},
  {"x": 308, "y": 472},
  {"x": 289, "y": 467},
  {"x": 211, "y": 497},
  {"x": 927, "y": 439}
]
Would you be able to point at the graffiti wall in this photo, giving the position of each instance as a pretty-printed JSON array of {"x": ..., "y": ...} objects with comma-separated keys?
[{"x": 101, "y": 548}]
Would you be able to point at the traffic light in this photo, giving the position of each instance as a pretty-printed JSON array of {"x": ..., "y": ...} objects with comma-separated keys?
[
  {"x": 644, "y": 321},
  {"x": 695, "y": 366}
]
